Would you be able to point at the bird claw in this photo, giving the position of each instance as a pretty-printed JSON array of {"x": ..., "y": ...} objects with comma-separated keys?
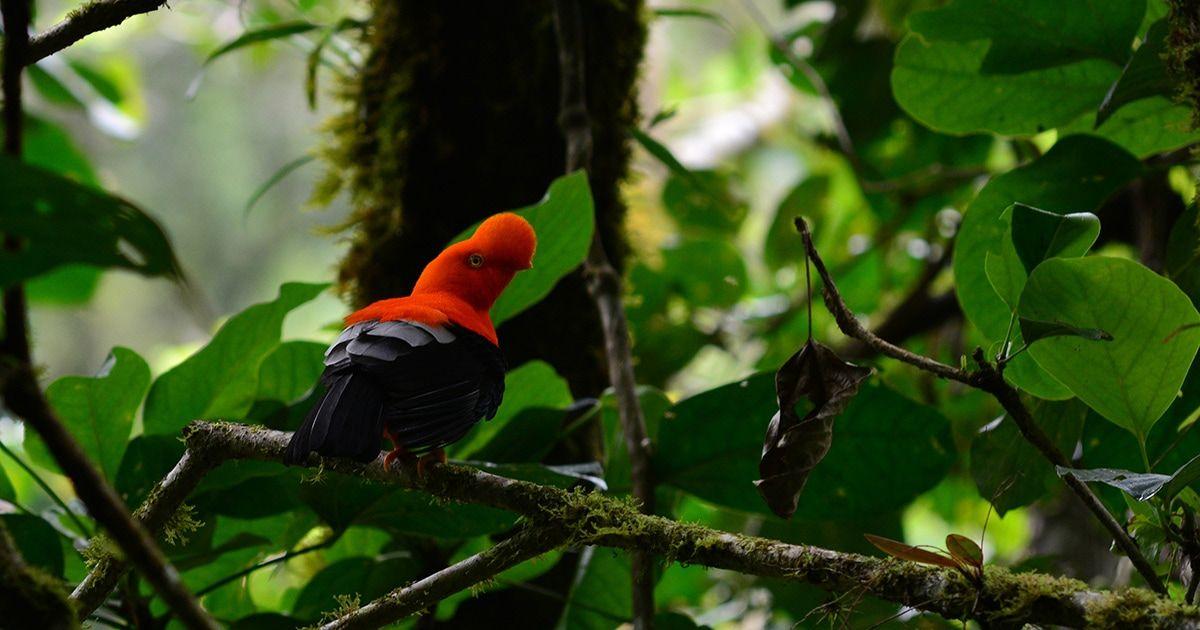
[{"x": 433, "y": 457}]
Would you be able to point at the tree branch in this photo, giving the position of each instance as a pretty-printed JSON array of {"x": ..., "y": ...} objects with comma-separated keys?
[
  {"x": 989, "y": 379},
  {"x": 90, "y": 18},
  {"x": 30, "y": 598},
  {"x": 530, "y": 542},
  {"x": 604, "y": 284},
  {"x": 592, "y": 518}
]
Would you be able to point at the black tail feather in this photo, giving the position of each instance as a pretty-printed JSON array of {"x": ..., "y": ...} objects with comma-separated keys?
[{"x": 347, "y": 422}]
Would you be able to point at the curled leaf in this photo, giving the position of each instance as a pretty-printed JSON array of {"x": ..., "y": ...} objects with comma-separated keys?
[
  {"x": 794, "y": 445},
  {"x": 900, "y": 550},
  {"x": 964, "y": 550}
]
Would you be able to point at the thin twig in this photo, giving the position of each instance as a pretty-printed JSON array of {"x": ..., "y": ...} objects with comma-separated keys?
[
  {"x": 989, "y": 379},
  {"x": 528, "y": 543},
  {"x": 90, "y": 18},
  {"x": 604, "y": 284}
]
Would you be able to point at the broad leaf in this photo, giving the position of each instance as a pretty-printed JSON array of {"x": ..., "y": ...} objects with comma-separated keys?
[
  {"x": 889, "y": 450},
  {"x": 36, "y": 540},
  {"x": 1032, "y": 34},
  {"x": 1132, "y": 379},
  {"x": 220, "y": 381},
  {"x": 1141, "y": 486},
  {"x": 1144, "y": 75},
  {"x": 1039, "y": 235},
  {"x": 1010, "y": 472},
  {"x": 564, "y": 222},
  {"x": 795, "y": 445},
  {"x": 1183, "y": 253},
  {"x": 1144, "y": 127},
  {"x": 366, "y": 578},
  {"x": 98, "y": 411},
  {"x": 600, "y": 598},
  {"x": 290, "y": 371},
  {"x": 62, "y": 222},
  {"x": 534, "y": 385}
]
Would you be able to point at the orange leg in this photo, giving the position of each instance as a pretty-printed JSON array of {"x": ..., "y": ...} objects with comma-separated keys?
[
  {"x": 438, "y": 457},
  {"x": 398, "y": 450}
]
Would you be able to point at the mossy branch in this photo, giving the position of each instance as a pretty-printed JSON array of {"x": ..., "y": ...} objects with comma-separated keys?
[
  {"x": 30, "y": 598},
  {"x": 593, "y": 518}
]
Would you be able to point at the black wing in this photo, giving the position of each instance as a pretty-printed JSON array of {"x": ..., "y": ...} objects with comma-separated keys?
[{"x": 426, "y": 385}]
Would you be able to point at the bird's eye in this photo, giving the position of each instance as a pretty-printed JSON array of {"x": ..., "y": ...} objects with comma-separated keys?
[{"x": 475, "y": 260}]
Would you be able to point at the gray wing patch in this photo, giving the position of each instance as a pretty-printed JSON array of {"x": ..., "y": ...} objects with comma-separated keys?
[{"x": 361, "y": 340}]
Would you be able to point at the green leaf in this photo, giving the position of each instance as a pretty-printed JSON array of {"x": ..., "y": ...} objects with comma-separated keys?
[
  {"x": 262, "y": 34},
  {"x": 7, "y": 491},
  {"x": 221, "y": 379},
  {"x": 533, "y": 385},
  {"x": 51, "y": 88},
  {"x": 73, "y": 223},
  {"x": 1183, "y": 253},
  {"x": 1144, "y": 75},
  {"x": 943, "y": 86},
  {"x": 366, "y": 578},
  {"x": 37, "y": 541},
  {"x": 342, "y": 501},
  {"x": 1039, "y": 235},
  {"x": 888, "y": 450},
  {"x": 600, "y": 598},
  {"x": 275, "y": 178},
  {"x": 701, "y": 203},
  {"x": 105, "y": 86},
  {"x": 1033, "y": 330},
  {"x": 1132, "y": 379},
  {"x": 1032, "y": 34},
  {"x": 288, "y": 373},
  {"x": 1145, "y": 127},
  {"x": 655, "y": 405},
  {"x": 1181, "y": 479},
  {"x": 564, "y": 222},
  {"x": 706, "y": 272},
  {"x": 98, "y": 411},
  {"x": 1077, "y": 174},
  {"x": 1011, "y": 473}
]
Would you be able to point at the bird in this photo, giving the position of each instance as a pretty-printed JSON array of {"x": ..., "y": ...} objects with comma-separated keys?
[{"x": 423, "y": 369}]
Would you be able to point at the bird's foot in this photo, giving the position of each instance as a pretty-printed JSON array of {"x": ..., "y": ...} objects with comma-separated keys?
[{"x": 432, "y": 457}]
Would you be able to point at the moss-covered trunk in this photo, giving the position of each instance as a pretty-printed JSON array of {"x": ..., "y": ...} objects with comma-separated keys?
[{"x": 453, "y": 118}]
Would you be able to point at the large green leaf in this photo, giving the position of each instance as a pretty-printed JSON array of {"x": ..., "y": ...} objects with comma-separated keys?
[
  {"x": 221, "y": 379},
  {"x": 886, "y": 450},
  {"x": 564, "y": 223},
  {"x": 290, "y": 371},
  {"x": 367, "y": 578},
  {"x": 1076, "y": 175},
  {"x": 61, "y": 222},
  {"x": 1039, "y": 235},
  {"x": 705, "y": 272},
  {"x": 1183, "y": 253},
  {"x": 1144, "y": 127},
  {"x": 942, "y": 85},
  {"x": 530, "y": 386},
  {"x": 1034, "y": 34},
  {"x": 98, "y": 411},
  {"x": 600, "y": 598},
  {"x": 1009, "y": 471},
  {"x": 36, "y": 540},
  {"x": 1132, "y": 379},
  {"x": 1144, "y": 75}
]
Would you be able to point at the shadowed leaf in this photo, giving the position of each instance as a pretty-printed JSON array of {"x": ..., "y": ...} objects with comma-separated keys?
[
  {"x": 964, "y": 550},
  {"x": 1033, "y": 330},
  {"x": 1039, "y": 235},
  {"x": 794, "y": 446}
]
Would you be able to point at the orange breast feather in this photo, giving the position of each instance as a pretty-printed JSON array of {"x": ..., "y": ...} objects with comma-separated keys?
[{"x": 433, "y": 309}]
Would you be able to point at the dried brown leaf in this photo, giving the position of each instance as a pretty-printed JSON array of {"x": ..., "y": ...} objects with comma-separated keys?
[
  {"x": 897, "y": 549},
  {"x": 964, "y": 550},
  {"x": 793, "y": 445}
]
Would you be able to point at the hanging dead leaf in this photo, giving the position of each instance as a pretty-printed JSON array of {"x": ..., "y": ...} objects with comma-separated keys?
[
  {"x": 794, "y": 446},
  {"x": 964, "y": 550},
  {"x": 897, "y": 549}
]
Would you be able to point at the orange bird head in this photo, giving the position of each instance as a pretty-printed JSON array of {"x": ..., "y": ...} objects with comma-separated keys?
[{"x": 478, "y": 269}]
